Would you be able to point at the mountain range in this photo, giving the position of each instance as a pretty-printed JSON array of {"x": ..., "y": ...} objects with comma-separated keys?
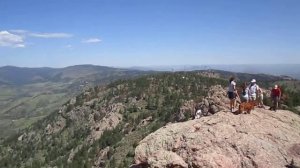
[{"x": 292, "y": 70}]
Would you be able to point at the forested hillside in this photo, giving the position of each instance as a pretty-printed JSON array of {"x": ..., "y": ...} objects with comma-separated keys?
[
  {"x": 113, "y": 118},
  {"x": 29, "y": 94},
  {"x": 102, "y": 126}
]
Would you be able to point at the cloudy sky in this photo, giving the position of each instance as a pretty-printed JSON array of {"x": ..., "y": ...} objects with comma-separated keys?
[{"x": 58, "y": 33}]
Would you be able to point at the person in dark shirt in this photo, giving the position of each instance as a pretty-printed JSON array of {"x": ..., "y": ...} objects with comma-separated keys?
[{"x": 232, "y": 93}]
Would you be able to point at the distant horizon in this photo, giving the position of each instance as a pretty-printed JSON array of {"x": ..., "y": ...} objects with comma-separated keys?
[
  {"x": 151, "y": 66},
  {"x": 292, "y": 70}
]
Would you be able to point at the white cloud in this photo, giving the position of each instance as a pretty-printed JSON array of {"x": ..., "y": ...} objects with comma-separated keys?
[
  {"x": 15, "y": 37},
  {"x": 51, "y": 35},
  {"x": 18, "y": 31},
  {"x": 8, "y": 39},
  {"x": 69, "y": 46},
  {"x": 91, "y": 40},
  {"x": 40, "y": 35},
  {"x": 20, "y": 45}
]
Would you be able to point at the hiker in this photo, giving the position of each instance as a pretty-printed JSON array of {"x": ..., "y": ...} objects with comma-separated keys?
[
  {"x": 275, "y": 95},
  {"x": 253, "y": 87},
  {"x": 244, "y": 94},
  {"x": 260, "y": 98},
  {"x": 232, "y": 93}
]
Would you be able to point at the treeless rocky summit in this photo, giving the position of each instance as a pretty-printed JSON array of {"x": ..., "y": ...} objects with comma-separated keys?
[{"x": 262, "y": 139}]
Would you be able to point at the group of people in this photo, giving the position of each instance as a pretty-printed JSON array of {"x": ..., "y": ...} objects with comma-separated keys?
[{"x": 251, "y": 92}]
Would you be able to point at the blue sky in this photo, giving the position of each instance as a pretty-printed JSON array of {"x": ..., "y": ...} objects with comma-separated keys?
[{"x": 58, "y": 33}]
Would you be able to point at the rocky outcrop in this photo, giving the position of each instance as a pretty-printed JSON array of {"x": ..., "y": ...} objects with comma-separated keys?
[
  {"x": 109, "y": 122},
  {"x": 215, "y": 101},
  {"x": 187, "y": 109},
  {"x": 73, "y": 153},
  {"x": 102, "y": 156},
  {"x": 145, "y": 122},
  {"x": 260, "y": 139},
  {"x": 57, "y": 126}
]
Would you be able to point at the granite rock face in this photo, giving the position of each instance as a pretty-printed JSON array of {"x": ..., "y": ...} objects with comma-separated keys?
[
  {"x": 260, "y": 139},
  {"x": 214, "y": 102}
]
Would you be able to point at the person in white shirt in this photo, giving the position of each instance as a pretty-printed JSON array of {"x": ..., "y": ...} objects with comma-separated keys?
[
  {"x": 232, "y": 93},
  {"x": 244, "y": 94},
  {"x": 253, "y": 90},
  {"x": 260, "y": 98}
]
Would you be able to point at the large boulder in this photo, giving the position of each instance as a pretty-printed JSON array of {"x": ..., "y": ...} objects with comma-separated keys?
[
  {"x": 260, "y": 139},
  {"x": 215, "y": 101},
  {"x": 187, "y": 109}
]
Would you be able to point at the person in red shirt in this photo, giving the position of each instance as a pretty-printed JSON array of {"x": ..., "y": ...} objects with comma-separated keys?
[{"x": 275, "y": 94}]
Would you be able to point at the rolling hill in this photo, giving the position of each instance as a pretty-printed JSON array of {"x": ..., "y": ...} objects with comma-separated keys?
[{"x": 29, "y": 94}]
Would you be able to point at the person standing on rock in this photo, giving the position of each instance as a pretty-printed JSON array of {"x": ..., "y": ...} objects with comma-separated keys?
[
  {"x": 244, "y": 94},
  {"x": 260, "y": 98},
  {"x": 232, "y": 93},
  {"x": 253, "y": 90},
  {"x": 275, "y": 95}
]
